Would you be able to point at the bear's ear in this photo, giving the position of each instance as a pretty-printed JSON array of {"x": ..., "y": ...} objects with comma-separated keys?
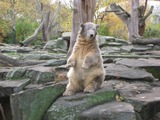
[
  {"x": 97, "y": 26},
  {"x": 82, "y": 28}
]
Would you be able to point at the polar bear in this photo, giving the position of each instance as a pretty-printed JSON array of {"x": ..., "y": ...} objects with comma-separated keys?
[{"x": 86, "y": 71}]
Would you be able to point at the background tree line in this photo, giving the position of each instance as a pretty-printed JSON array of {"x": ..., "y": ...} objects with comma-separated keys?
[{"x": 25, "y": 16}]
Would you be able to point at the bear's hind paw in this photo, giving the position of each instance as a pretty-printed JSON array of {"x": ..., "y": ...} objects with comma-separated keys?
[
  {"x": 89, "y": 90},
  {"x": 67, "y": 93}
]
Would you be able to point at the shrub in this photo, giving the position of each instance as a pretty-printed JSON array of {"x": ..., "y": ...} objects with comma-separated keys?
[
  {"x": 103, "y": 29},
  {"x": 152, "y": 31},
  {"x": 24, "y": 28}
]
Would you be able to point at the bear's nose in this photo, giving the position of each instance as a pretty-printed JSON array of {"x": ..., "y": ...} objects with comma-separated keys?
[{"x": 91, "y": 35}]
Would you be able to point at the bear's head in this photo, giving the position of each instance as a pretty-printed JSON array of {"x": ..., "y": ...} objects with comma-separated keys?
[{"x": 89, "y": 30}]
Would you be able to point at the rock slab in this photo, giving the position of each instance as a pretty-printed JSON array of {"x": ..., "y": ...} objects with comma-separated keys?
[
  {"x": 32, "y": 104},
  {"x": 110, "y": 111},
  {"x": 69, "y": 108},
  {"x": 120, "y": 71},
  {"x": 8, "y": 87}
]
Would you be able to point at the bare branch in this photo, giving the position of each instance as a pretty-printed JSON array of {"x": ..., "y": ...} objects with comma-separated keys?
[
  {"x": 112, "y": 11},
  {"x": 119, "y": 10},
  {"x": 30, "y": 39},
  {"x": 149, "y": 13},
  {"x": 124, "y": 11},
  {"x": 52, "y": 20},
  {"x": 145, "y": 6}
]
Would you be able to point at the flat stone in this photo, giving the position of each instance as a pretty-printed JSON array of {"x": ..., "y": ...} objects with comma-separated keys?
[
  {"x": 150, "y": 65},
  {"x": 109, "y": 38},
  {"x": 114, "y": 44},
  {"x": 40, "y": 74},
  {"x": 69, "y": 108},
  {"x": 16, "y": 73},
  {"x": 24, "y": 50},
  {"x": 37, "y": 56},
  {"x": 152, "y": 52},
  {"x": 3, "y": 72},
  {"x": 8, "y": 50},
  {"x": 33, "y": 86},
  {"x": 139, "y": 62},
  {"x": 109, "y": 49},
  {"x": 66, "y": 35},
  {"x": 156, "y": 47},
  {"x": 32, "y": 104},
  {"x": 124, "y": 72},
  {"x": 56, "y": 44},
  {"x": 9, "y": 87},
  {"x": 121, "y": 41},
  {"x": 55, "y": 62},
  {"x": 49, "y": 45},
  {"x": 101, "y": 39},
  {"x": 141, "y": 48},
  {"x": 127, "y": 89},
  {"x": 147, "y": 104},
  {"x": 127, "y": 48},
  {"x": 110, "y": 111}
]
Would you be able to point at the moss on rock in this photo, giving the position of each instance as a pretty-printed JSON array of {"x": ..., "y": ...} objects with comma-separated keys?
[{"x": 68, "y": 108}]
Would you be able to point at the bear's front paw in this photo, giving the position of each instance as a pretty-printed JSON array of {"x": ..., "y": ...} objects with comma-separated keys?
[
  {"x": 71, "y": 64},
  {"x": 68, "y": 92},
  {"x": 85, "y": 66}
]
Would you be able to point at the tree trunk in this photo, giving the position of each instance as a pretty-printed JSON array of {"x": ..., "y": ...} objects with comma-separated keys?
[
  {"x": 133, "y": 29},
  {"x": 45, "y": 28},
  {"x": 135, "y": 21},
  {"x": 49, "y": 22},
  {"x": 13, "y": 21},
  {"x": 83, "y": 11}
]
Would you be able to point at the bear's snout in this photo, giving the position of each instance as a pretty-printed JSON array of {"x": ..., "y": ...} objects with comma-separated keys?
[{"x": 91, "y": 35}]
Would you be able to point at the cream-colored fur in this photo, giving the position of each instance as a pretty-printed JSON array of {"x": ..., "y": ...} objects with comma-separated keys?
[{"x": 86, "y": 65}]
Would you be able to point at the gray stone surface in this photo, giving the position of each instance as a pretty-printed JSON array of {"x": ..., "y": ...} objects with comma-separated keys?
[
  {"x": 3, "y": 72},
  {"x": 110, "y": 111},
  {"x": 55, "y": 62},
  {"x": 127, "y": 48},
  {"x": 114, "y": 44},
  {"x": 124, "y": 72},
  {"x": 66, "y": 35},
  {"x": 24, "y": 50},
  {"x": 68, "y": 108},
  {"x": 139, "y": 62},
  {"x": 32, "y": 104},
  {"x": 40, "y": 74},
  {"x": 37, "y": 56},
  {"x": 16, "y": 73},
  {"x": 150, "y": 65},
  {"x": 141, "y": 48},
  {"x": 8, "y": 87},
  {"x": 55, "y": 44},
  {"x": 146, "y": 104}
]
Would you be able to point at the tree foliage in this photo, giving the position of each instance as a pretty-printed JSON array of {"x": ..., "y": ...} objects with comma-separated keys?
[{"x": 27, "y": 18}]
